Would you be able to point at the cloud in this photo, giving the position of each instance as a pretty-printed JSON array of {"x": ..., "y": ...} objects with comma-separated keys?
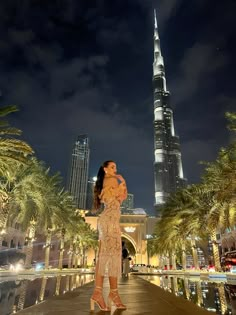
[
  {"x": 199, "y": 64},
  {"x": 193, "y": 152},
  {"x": 165, "y": 10}
]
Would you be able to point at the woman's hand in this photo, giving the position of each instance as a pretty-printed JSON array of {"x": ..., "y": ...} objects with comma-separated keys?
[
  {"x": 120, "y": 178},
  {"x": 94, "y": 211}
]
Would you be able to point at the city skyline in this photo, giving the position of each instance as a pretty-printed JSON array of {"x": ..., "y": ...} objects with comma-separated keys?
[{"x": 73, "y": 69}]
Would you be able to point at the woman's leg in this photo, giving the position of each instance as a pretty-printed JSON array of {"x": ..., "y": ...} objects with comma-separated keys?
[
  {"x": 113, "y": 283},
  {"x": 97, "y": 293},
  {"x": 98, "y": 278},
  {"x": 114, "y": 295}
]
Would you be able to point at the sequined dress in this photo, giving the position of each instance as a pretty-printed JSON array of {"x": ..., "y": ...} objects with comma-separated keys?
[{"x": 109, "y": 257}]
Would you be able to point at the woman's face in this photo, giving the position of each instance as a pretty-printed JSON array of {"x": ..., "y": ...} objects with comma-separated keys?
[{"x": 110, "y": 169}]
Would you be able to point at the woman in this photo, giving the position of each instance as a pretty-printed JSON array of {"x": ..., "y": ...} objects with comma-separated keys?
[{"x": 110, "y": 189}]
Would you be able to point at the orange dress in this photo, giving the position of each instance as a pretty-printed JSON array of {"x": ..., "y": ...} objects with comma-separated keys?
[{"x": 109, "y": 256}]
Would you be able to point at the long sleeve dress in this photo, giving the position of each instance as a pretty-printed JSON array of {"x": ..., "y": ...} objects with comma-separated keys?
[{"x": 109, "y": 257}]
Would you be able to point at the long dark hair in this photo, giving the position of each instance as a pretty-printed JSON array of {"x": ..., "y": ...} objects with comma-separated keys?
[{"x": 99, "y": 184}]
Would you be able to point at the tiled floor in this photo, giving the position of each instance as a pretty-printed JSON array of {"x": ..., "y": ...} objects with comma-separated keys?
[{"x": 140, "y": 296}]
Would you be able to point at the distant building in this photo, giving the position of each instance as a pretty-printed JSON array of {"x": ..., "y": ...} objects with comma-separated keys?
[
  {"x": 133, "y": 211},
  {"x": 89, "y": 198},
  {"x": 78, "y": 175},
  {"x": 168, "y": 171},
  {"x": 128, "y": 203}
]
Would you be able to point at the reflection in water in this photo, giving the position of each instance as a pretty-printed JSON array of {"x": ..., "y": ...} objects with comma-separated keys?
[
  {"x": 199, "y": 294},
  {"x": 218, "y": 297},
  {"x": 22, "y": 293},
  {"x": 58, "y": 285},
  {"x": 19, "y": 294},
  {"x": 42, "y": 290},
  {"x": 8, "y": 292}
]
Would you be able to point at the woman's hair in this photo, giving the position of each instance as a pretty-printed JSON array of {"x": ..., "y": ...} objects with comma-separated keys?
[{"x": 99, "y": 184}]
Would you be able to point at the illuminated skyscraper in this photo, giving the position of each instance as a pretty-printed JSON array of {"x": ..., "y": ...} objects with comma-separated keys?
[
  {"x": 168, "y": 171},
  {"x": 128, "y": 203},
  {"x": 78, "y": 176},
  {"x": 90, "y": 190}
]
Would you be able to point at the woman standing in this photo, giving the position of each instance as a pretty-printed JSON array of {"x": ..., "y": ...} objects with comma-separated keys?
[{"x": 110, "y": 190}]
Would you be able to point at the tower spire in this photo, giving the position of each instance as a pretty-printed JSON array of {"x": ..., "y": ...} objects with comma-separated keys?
[
  {"x": 158, "y": 63},
  {"x": 155, "y": 19}
]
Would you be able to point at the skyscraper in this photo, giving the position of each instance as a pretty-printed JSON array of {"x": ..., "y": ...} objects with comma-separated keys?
[
  {"x": 78, "y": 176},
  {"x": 90, "y": 190},
  {"x": 168, "y": 171},
  {"x": 128, "y": 203}
]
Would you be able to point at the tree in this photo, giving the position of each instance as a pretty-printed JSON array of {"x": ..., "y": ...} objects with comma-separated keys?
[
  {"x": 11, "y": 149},
  {"x": 40, "y": 202}
]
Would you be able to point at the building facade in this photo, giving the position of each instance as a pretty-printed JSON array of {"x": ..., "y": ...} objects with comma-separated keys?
[
  {"x": 78, "y": 175},
  {"x": 168, "y": 170}
]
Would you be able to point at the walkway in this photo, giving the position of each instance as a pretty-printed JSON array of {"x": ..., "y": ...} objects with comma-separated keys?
[{"x": 140, "y": 296}]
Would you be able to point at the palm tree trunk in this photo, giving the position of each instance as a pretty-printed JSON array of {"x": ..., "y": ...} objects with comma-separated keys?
[
  {"x": 167, "y": 261},
  {"x": 184, "y": 259},
  {"x": 74, "y": 260},
  {"x": 83, "y": 257},
  {"x": 30, "y": 240},
  {"x": 194, "y": 253},
  {"x": 42, "y": 289},
  {"x": 173, "y": 260},
  {"x": 215, "y": 249},
  {"x": 48, "y": 247},
  {"x": 4, "y": 209},
  {"x": 62, "y": 248},
  {"x": 4, "y": 212},
  {"x": 71, "y": 250}
]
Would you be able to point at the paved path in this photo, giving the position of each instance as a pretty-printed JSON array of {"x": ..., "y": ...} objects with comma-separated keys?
[{"x": 140, "y": 296}]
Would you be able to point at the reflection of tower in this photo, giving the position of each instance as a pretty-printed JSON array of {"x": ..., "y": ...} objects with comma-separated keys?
[
  {"x": 78, "y": 176},
  {"x": 168, "y": 172}
]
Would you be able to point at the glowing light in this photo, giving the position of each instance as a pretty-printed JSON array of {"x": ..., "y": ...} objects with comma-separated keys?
[
  {"x": 130, "y": 229},
  {"x": 94, "y": 178}
]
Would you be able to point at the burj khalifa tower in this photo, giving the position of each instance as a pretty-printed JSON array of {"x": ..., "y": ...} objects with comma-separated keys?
[{"x": 168, "y": 170}]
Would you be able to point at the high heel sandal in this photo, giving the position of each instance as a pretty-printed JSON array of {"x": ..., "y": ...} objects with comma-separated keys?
[
  {"x": 114, "y": 299},
  {"x": 97, "y": 298}
]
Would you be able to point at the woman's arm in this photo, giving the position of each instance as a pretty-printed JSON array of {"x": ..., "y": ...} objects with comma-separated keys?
[{"x": 122, "y": 188}]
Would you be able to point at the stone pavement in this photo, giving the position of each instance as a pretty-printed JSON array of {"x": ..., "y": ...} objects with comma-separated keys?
[{"x": 140, "y": 296}]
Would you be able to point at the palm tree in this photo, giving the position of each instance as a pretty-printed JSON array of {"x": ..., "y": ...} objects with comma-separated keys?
[
  {"x": 11, "y": 149},
  {"x": 219, "y": 183},
  {"x": 63, "y": 208},
  {"x": 16, "y": 189},
  {"x": 13, "y": 153},
  {"x": 179, "y": 224},
  {"x": 41, "y": 206},
  {"x": 85, "y": 238}
]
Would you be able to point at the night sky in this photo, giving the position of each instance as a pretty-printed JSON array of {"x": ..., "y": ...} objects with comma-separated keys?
[{"x": 85, "y": 67}]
